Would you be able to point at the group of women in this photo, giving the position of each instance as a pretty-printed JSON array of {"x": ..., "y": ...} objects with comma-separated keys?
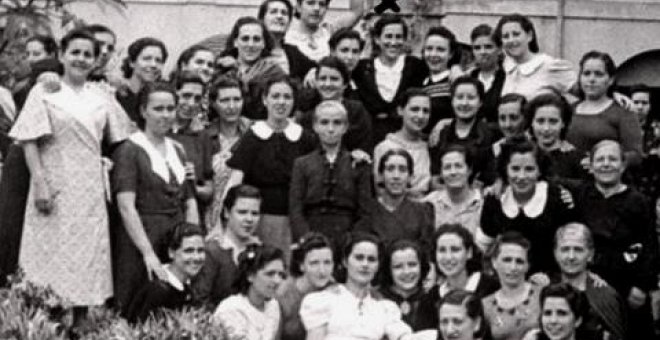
[{"x": 297, "y": 195}]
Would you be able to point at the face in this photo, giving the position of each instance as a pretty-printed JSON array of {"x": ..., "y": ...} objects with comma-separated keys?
[
  {"x": 406, "y": 269},
  {"x": 243, "y": 217},
  {"x": 454, "y": 170},
  {"x": 515, "y": 41},
  {"x": 348, "y": 51},
  {"x": 594, "y": 79},
  {"x": 572, "y": 253},
  {"x": 437, "y": 52},
  {"x": 159, "y": 113},
  {"x": 641, "y": 105},
  {"x": 201, "y": 64},
  {"x": 510, "y": 118},
  {"x": 607, "y": 165},
  {"x": 78, "y": 59},
  {"x": 276, "y": 18},
  {"x": 391, "y": 41},
  {"x": 511, "y": 264},
  {"x": 396, "y": 175},
  {"x": 250, "y": 43},
  {"x": 451, "y": 255},
  {"x": 466, "y": 102},
  {"x": 35, "y": 51},
  {"x": 330, "y": 83},
  {"x": 107, "y": 44},
  {"x": 312, "y": 12},
  {"x": 523, "y": 173},
  {"x": 416, "y": 114},
  {"x": 455, "y": 323},
  {"x": 229, "y": 104},
  {"x": 267, "y": 280},
  {"x": 149, "y": 64},
  {"x": 557, "y": 319},
  {"x": 547, "y": 125},
  {"x": 189, "y": 258},
  {"x": 330, "y": 125},
  {"x": 190, "y": 96},
  {"x": 279, "y": 101},
  {"x": 317, "y": 267},
  {"x": 486, "y": 53},
  {"x": 362, "y": 263}
]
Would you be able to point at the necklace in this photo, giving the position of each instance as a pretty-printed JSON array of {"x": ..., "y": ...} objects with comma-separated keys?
[{"x": 518, "y": 313}]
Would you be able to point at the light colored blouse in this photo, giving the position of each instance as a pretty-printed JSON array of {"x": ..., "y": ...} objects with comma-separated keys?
[
  {"x": 540, "y": 73},
  {"x": 467, "y": 214},
  {"x": 350, "y": 318},
  {"x": 243, "y": 321}
]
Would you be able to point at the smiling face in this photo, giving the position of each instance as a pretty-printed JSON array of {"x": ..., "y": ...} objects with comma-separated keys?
[
  {"x": 547, "y": 126},
  {"x": 523, "y": 173},
  {"x": 515, "y": 41},
  {"x": 455, "y": 323},
  {"x": 451, "y": 255},
  {"x": 437, "y": 52},
  {"x": 201, "y": 64},
  {"x": 243, "y": 218},
  {"x": 416, "y": 114},
  {"x": 277, "y": 17},
  {"x": 250, "y": 43},
  {"x": 159, "y": 113},
  {"x": 190, "y": 256},
  {"x": 454, "y": 170},
  {"x": 78, "y": 59},
  {"x": 486, "y": 53},
  {"x": 317, "y": 267},
  {"x": 406, "y": 270},
  {"x": 330, "y": 83},
  {"x": 362, "y": 263},
  {"x": 572, "y": 253},
  {"x": 391, "y": 41},
  {"x": 396, "y": 176},
  {"x": 558, "y": 321},
  {"x": 229, "y": 104},
  {"x": 510, "y": 118},
  {"x": 511, "y": 264},
  {"x": 466, "y": 102},
  {"x": 607, "y": 165},
  {"x": 594, "y": 79},
  {"x": 149, "y": 64},
  {"x": 348, "y": 51},
  {"x": 267, "y": 280},
  {"x": 279, "y": 101}
]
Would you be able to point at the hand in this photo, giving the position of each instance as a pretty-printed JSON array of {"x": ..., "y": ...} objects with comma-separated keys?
[
  {"x": 636, "y": 298},
  {"x": 310, "y": 79},
  {"x": 51, "y": 81},
  {"x": 189, "y": 168},
  {"x": 154, "y": 267},
  {"x": 496, "y": 189},
  {"x": 566, "y": 146},
  {"x": 360, "y": 156},
  {"x": 434, "y": 136},
  {"x": 540, "y": 279},
  {"x": 566, "y": 197},
  {"x": 586, "y": 163},
  {"x": 622, "y": 100},
  {"x": 598, "y": 281},
  {"x": 42, "y": 197},
  {"x": 107, "y": 163}
]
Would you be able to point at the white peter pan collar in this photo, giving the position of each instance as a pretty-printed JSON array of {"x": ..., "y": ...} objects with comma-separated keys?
[
  {"x": 173, "y": 280},
  {"x": 531, "y": 209},
  {"x": 159, "y": 164},
  {"x": 528, "y": 67},
  {"x": 470, "y": 286},
  {"x": 293, "y": 131}
]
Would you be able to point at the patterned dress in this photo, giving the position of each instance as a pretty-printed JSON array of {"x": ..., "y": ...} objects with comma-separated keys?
[{"x": 69, "y": 248}]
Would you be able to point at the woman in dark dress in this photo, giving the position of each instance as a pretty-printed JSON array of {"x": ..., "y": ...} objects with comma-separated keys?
[
  {"x": 153, "y": 195},
  {"x": 405, "y": 266},
  {"x": 143, "y": 65},
  {"x": 186, "y": 249}
]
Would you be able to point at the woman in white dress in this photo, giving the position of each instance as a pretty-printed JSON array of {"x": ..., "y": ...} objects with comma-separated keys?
[{"x": 66, "y": 243}]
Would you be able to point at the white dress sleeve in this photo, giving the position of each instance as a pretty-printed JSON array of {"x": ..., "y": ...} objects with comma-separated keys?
[
  {"x": 395, "y": 328},
  {"x": 229, "y": 316},
  {"x": 316, "y": 309}
]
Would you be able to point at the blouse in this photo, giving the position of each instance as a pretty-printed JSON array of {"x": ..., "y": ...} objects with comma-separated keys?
[
  {"x": 512, "y": 323},
  {"x": 346, "y": 317},
  {"x": 541, "y": 73},
  {"x": 467, "y": 214},
  {"x": 244, "y": 321}
]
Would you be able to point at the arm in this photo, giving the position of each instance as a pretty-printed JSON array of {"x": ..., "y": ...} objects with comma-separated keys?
[
  {"x": 192, "y": 214},
  {"x": 297, "y": 193},
  {"x": 43, "y": 198},
  {"x": 357, "y": 11},
  {"x": 135, "y": 230},
  {"x": 235, "y": 178}
]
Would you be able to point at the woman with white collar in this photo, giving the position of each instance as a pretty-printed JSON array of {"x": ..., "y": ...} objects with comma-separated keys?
[
  {"x": 529, "y": 204},
  {"x": 153, "y": 194},
  {"x": 529, "y": 72},
  {"x": 264, "y": 158}
]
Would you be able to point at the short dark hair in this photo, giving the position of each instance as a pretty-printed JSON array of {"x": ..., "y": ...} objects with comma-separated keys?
[
  {"x": 521, "y": 144},
  {"x": 334, "y": 63},
  {"x": 250, "y": 261},
  {"x": 466, "y": 79},
  {"x": 473, "y": 307},
  {"x": 510, "y": 237},
  {"x": 236, "y": 192},
  {"x": 554, "y": 100},
  {"x": 98, "y": 28},
  {"x": 473, "y": 264},
  {"x": 524, "y": 23},
  {"x": 184, "y": 78},
  {"x": 80, "y": 33},
  {"x": 345, "y": 33},
  {"x": 307, "y": 243},
  {"x": 446, "y": 33},
  {"x": 513, "y": 98},
  {"x": 396, "y": 152},
  {"x": 47, "y": 41},
  {"x": 224, "y": 82},
  {"x": 189, "y": 53},
  {"x": 183, "y": 231},
  {"x": 386, "y": 279},
  {"x": 349, "y": 242},
  {"x": 263, "y": 8},
  {"x": 148, "y": 89},
  {"x": 410, "y": 93},
  {"x": 236, "y": 30},
  {"x": 483, "y": 30},
  {"x": 135, "y": 49},
  {"x": 575, "y": 299},
  {"x": 643, "y": 88},
  {"x": 468, "y": 156},
  {"x": 608, "y": 62},
  {"x": 389, "y": 19},
  {"x": 281, "y": 79}
]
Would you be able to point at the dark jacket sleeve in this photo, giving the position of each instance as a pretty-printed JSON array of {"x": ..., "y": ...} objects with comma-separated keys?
[
  {"x": 297, "y": 193},
  {"x": 203, "y": 283},
  {"x": 299, "y": 64}
]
